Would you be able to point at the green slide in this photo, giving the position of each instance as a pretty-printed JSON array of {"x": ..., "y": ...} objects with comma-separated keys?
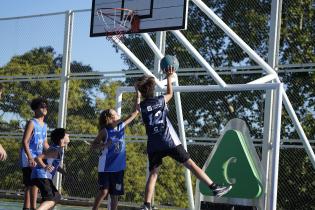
[{"x": 233, "y": 164}]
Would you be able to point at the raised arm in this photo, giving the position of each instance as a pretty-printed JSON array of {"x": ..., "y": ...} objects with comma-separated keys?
[
  {"x": 169, "y": 91},
  {"x": 26, "y": 143},
  {"x": 136, "y": 110}
]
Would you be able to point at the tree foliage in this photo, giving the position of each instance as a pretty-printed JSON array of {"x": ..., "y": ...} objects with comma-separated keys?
[{"x": 205, "y": 114}]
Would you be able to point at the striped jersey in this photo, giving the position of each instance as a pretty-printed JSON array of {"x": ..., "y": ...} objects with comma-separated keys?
[
  {"x": 160, "y": 132},
  {"x": 36, "y": 143},
  {"x": 113, "y": 158},
  {"x": 39, "y": 172}
]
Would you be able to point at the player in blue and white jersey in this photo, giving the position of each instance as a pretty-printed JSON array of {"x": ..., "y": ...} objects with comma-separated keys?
[
  {"x": 48, "y": 163},
  {"x": 33, "y": 143},
  {"x": 112, "y": 161},
  {"x": 162, "y": 138}
]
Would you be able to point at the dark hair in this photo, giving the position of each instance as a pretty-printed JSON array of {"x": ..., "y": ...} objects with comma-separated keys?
[
  {"x": 1, "y": 87},
  {"x": 57, "y": 134},
  {"x": 37, "y": 102},
  {"x": 146, "y": 86},
  {"x": 103, "y": 121}
]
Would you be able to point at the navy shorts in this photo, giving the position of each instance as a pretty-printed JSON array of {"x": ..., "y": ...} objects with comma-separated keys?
[
  {"x": 47, "y": 189},
  {"x": 27, "y": 172},
  {"x": 178, "y": 153},
  {"x": 112, "y": 181}
]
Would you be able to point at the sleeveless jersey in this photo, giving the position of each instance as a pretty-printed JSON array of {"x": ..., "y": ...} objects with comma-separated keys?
[
  {"x": 113, "y": 158},
  {"x": 160, "y": 132},
  {"x": 39, "y": 172},
  {"x": 36, "y": 143}
]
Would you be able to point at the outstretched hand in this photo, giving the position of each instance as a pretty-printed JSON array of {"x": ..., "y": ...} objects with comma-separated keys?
[
  {"x": 49, "y": 168},
  {"x": 170, "y": 71}
]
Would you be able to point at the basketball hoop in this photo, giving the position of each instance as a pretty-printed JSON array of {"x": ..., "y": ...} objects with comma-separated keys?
[{"x": 118, "y": 21}]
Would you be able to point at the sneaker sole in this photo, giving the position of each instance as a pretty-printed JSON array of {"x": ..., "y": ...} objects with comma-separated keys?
[{"x": 224, "y": 192}]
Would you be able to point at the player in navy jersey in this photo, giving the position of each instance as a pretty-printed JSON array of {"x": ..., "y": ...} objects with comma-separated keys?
[
  {"x": 112, "y": 161},
  {"x": 162, "y": 138},
  {"x": 48, "y": 163},
  {"x": 33, "y": 143}
]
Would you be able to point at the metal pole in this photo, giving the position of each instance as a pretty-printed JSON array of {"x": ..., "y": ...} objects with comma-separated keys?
[
  {"x": 207, "y": 88},
  {"x": 199, "y": 58},
  {"x": 299, "y": 129},
  {"x": 276, "y": 147},
  {"x": 118, "y": 101},
  {"x": 118, "y": 110},
  {"x": 152, "y": 45},
  {"x": 264, "y": 79},
  {"x": 266, "y": 67},
  {"x": 64, "y": 81},
  {"x": 160, "y": 42},
  {"x": 233, "y": 35},
  {"x": 182, "y": 135},
  {"x": 136, "y": 61},
  {"x": 273, "y": 52}
]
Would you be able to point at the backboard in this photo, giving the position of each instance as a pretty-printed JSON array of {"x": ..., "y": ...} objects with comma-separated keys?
[{"x": 154, "y": 15}]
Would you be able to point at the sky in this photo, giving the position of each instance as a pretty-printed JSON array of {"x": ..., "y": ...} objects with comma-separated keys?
[{"x": 20, "y": 36}]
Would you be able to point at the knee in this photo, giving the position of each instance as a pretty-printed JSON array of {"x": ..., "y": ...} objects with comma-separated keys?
[
  {"x": 189, "y": 164},
  {"x": 103, "y": 192},
  {"x": 154, "y": 172}
]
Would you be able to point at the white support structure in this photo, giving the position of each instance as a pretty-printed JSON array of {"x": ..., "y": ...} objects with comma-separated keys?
[
  {"x": 64, "y": 81},
  {"x": 135, "y": 60},
  {"x": 152, "y": 45},
  {"x": 274, "y": 99},
  {"x": 252, "y": 54},
  {"x": 265, "y": 79},
  {"x": 276, "y": 148},
  {"x": 182, "y": 135},
  {"x": 214, "y": 88},
  {"x": 270, "y": 106},
  {"x": 199, "y": 57}
]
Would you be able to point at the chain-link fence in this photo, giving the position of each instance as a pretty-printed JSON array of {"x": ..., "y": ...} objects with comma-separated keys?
[{"x": 31, "y": 63}]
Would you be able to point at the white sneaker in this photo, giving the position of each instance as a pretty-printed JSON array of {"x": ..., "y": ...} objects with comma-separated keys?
[{"x": 219, "y": 191}]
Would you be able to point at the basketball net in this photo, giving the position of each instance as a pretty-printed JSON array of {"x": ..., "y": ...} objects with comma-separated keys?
[{"x": 118, "y": 21}]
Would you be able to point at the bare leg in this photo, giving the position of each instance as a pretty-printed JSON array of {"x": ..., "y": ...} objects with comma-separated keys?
[
  {"x": 34, "y": 192},
  {"x": 149, "y": 188},
  {"x": 100, "y": 196},
  {"x": 113, "y": 202},
  {"x": 27, "y": 197},
  {"x": 198, "y": 172},
  {"x": 46, "y": 205}
]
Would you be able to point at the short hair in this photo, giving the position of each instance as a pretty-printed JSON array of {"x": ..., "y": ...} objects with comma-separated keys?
[
  {"x": 146, "y": 86},
  {"x": 1, "y": 87},
  {"x": 37, "y": 102},
  {"x": 57, "y": 134}
]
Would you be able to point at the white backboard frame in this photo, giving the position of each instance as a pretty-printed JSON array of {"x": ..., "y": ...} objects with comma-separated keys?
[{"x": 155, "y": 15}]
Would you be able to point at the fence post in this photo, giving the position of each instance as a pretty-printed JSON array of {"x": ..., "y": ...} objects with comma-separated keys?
[{"x": 64, "y": 81}]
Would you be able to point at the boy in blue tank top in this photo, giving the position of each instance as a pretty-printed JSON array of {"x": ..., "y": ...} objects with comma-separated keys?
[
  {"x": 112, "y": 161},
  {"x": 48, "y": 163},
  {"x": 33, "y": 143},
  {"x": 162, "y": 138}
]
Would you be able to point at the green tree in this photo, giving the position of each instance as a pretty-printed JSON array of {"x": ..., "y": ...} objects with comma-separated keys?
[{"x": 43, "y": 61}]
